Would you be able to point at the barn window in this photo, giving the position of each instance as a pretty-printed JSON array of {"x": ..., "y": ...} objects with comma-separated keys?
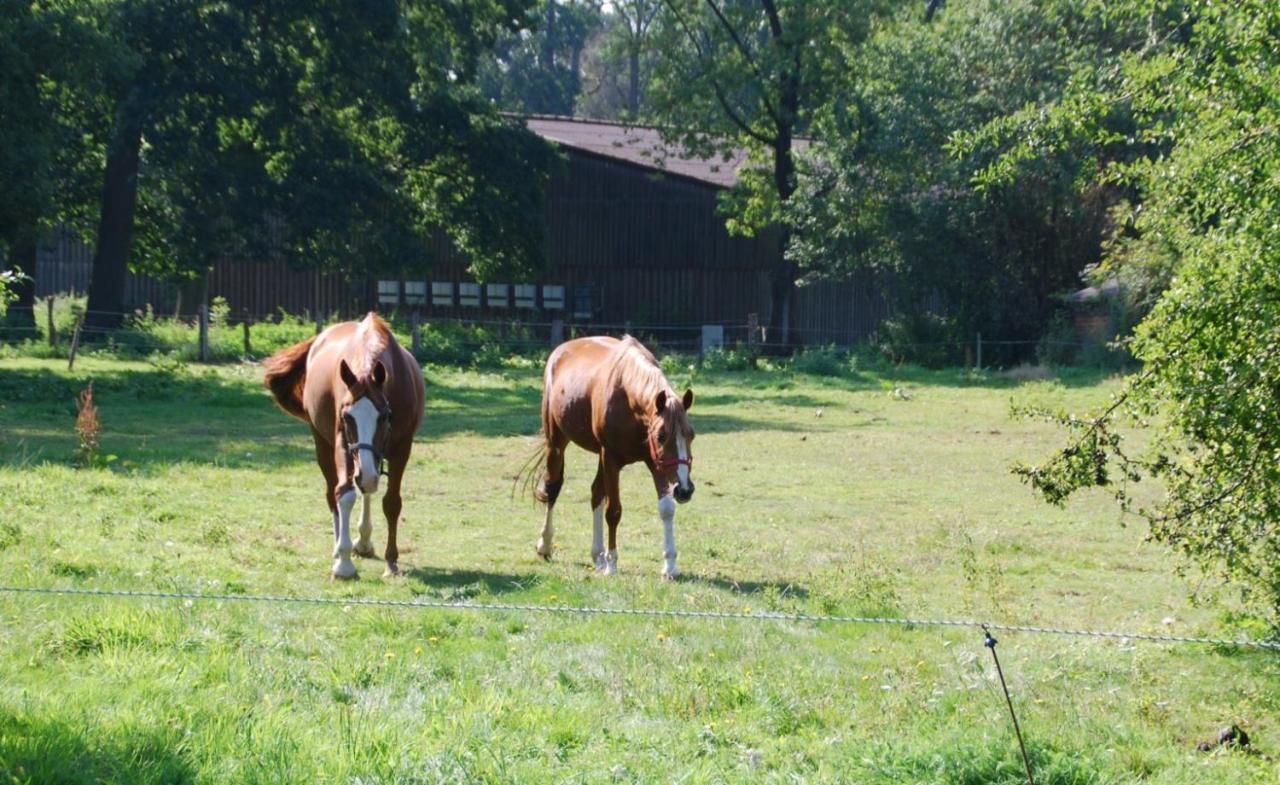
[
  {"x": 526, "y": 295},
  {"x": 498, "y": 295},
  {"x": 441, "y": 293},
  {"x": 388, "y": 292},
  {"x": 553, "y": 297},
  {"x": 469, "y": 294},
  {"x": 415, "y": 292},
  {"x": 584, "y": 305}
]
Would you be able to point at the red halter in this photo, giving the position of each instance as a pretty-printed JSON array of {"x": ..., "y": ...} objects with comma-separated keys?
[{"x": 663, "y": 463}]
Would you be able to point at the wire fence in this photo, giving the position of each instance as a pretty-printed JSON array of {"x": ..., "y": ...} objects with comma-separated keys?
[
  {"x": 665, "y": 613},
  {"x": 221, "y": 335}
]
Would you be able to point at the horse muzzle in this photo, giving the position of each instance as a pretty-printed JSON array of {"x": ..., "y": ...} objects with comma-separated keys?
[{"x": 682, "y": 493}]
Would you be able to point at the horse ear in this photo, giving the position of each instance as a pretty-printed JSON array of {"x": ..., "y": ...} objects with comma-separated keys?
[
  {"x": 344, "y": 371},
  {"x": 688, "y": 399},
  {"x": 660, "y": 403},
  {"x": 379, "y": 373}
]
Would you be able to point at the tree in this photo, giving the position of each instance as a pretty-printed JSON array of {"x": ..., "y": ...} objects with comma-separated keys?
[
  {"x": 538, "y": 70},
  {"x": 750, "y": 76},
  {"x": 891, "y": 188},
  {"x": 52, "y": 62},
  {"x": 343, "y": 127},
  {"x": 619, "y": 61},
  {"x": 1205, "y": 95}
]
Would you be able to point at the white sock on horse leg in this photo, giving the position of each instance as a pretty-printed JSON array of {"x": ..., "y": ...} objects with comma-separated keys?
[
  {"x": 611, "y": 562},
  {"x": 343, "y": 567},
  {"x": 667, "y": 512},
  {"x": 597, "y": 537},
  {"x": 548, "y": 534},
  {"x": 364, "y": 546}
]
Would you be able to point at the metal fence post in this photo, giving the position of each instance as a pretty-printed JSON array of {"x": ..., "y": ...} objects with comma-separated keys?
[{"x": 204, "y": 332}]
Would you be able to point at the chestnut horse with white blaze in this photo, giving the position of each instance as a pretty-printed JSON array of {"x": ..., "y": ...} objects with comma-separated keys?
[
  {"x": 363, "y": 396},
  {"x": 609, "y": 397}
]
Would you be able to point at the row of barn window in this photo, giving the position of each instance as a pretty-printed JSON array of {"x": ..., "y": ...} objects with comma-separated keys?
[{"x": 447, "y": 294}]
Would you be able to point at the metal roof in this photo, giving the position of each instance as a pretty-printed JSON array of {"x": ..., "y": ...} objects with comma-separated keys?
[{"x": 639, "y": 145}]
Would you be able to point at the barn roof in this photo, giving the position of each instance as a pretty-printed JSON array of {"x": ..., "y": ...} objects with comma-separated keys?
[{"x": 639, "y": 145}]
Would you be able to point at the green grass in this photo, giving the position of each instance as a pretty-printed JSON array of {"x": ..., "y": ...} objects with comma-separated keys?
[{"x": 896, "y": 500}]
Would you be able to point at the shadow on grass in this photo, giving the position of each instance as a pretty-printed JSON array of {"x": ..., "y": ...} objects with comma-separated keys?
[
  {"x": 466, "y": 584},
  {"x": 723, "y": 583},
  {"x": 39, "y": 750},
  {"x": 150, "y": 419}
]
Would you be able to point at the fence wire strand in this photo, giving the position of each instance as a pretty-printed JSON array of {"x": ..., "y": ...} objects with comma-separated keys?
[{"x": 664, "y": 613}]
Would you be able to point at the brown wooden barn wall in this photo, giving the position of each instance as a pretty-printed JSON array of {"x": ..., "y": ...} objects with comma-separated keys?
[{"x": 651, "y": 246}]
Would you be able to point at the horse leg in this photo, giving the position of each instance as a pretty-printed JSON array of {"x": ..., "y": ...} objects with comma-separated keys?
[
  {"x": 343, "y": 567},
  {"x": 397, "y": 461},
  {"x": 612, "y": 513},
  {"x": 667, "y": 512},
  {"x": 549, "y": 489},
  {"x": 324, "y": 457},
  {"x": 597, "y": 518},
  {"x": 364, "y": 545}
]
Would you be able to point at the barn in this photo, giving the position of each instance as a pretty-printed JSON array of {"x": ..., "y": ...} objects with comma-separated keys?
[{"x": 633, "y": 238}]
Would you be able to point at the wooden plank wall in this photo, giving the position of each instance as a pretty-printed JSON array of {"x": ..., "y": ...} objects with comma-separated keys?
[{"x": 653, "y": 248}]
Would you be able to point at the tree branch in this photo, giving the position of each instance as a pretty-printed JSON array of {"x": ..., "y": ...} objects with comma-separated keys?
[
  {"x": 734, "y": 116},
  {"x": 775, "y": 25}
]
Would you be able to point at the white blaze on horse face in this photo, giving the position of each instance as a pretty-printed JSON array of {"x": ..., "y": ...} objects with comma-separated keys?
[
  {"x": 682, "y": 470},
  {"x": 366, "y": 416}
]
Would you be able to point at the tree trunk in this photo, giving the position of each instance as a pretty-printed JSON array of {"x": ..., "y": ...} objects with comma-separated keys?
[
  {"x": 633, "y": 86},
  {"x": 115, "y": 227},
  {"x": 21, "y": 314},
  {"x": 782, "y": 280}
]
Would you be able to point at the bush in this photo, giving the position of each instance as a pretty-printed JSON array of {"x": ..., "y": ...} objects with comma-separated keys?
[
  {"x": 825, "y": 361},
  {"x": 926, "y": 339}
]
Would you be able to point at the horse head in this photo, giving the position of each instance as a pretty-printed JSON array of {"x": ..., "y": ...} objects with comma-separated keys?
[
  {"x": 670, "y": 443},
  {"x": 364, "y": 416}
]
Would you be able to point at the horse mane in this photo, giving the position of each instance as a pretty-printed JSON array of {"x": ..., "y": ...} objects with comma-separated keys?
[
  {"x": 371, "y": 338},
  {"x": 636, "y": 370}
]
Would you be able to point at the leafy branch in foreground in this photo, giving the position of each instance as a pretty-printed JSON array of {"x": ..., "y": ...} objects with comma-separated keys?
[{"x": 1207, "y": 138}]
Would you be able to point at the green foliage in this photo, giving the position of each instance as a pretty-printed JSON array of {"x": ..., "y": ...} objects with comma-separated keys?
[
  {"x": 891, "y": 188},
  {"x": 1207, "y": 158},
  {"x": 825, "y": 361}
]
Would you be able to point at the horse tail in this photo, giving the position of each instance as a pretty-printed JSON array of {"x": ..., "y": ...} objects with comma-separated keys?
[
  {"x": 286, "y": 375},
  {"x": 537, "y": 462}
]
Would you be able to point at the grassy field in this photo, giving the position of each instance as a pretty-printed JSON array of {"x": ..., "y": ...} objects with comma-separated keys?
[{"x": 879, "y": 493}]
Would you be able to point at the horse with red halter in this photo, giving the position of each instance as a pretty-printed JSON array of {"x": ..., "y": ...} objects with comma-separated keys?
[
  {"x": 609, "y": 397},
  {"x": 363, "y": 396}
]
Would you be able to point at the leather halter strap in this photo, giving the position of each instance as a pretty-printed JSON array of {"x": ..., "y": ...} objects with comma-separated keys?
[{"x": 662, "y": 463}]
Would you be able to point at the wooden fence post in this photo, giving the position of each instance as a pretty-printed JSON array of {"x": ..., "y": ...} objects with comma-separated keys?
[
  {"x": 248, "y": 348},
  {"x": 75, "y": 341},
  {"x": 204, "y": 332},
  {"x": 979, "y": 342},
  {"x": 53, "y": 332}
]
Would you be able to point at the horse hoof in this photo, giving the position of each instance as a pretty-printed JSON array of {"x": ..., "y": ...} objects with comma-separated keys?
[
  {"x": 392, "y": 571},
  {"x": 670, "y": 575},
  {"x": 365, "y": 552},
  {"x": 345, "y": 572}
]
